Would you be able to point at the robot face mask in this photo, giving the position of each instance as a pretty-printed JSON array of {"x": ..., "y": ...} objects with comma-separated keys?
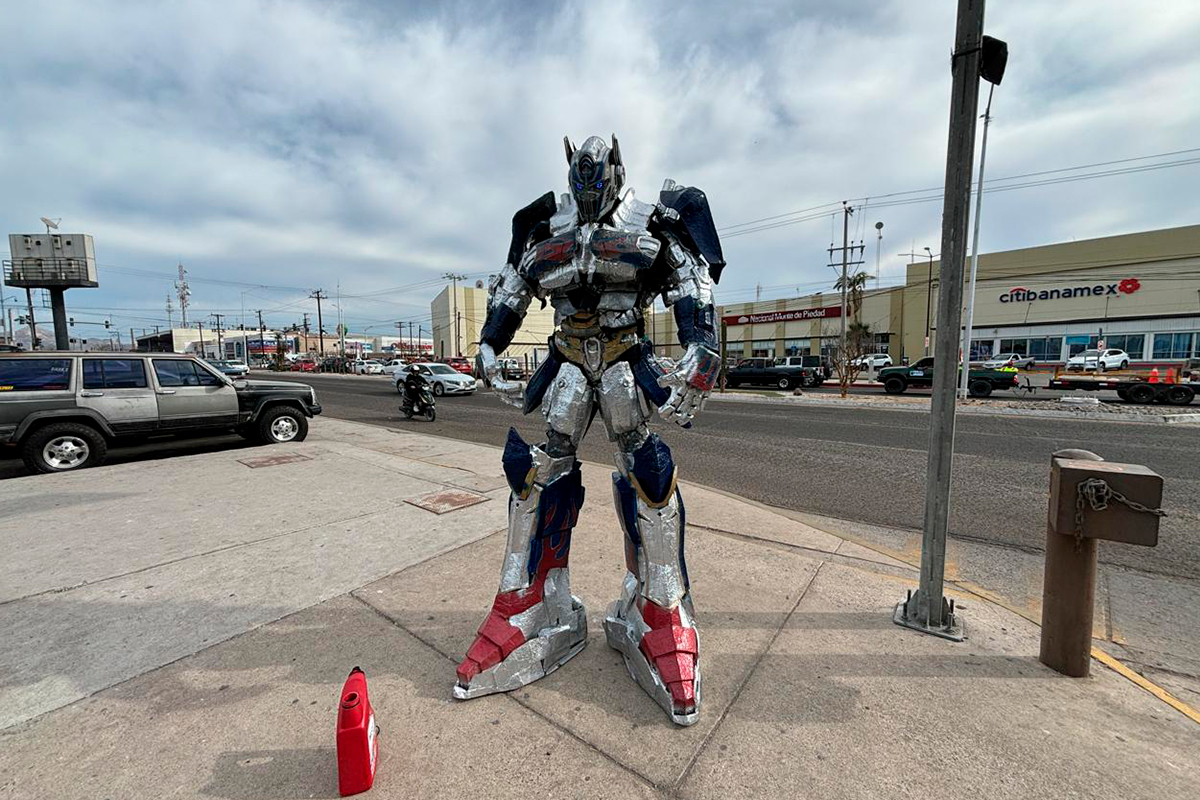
[{"x": 595, "y": 177}]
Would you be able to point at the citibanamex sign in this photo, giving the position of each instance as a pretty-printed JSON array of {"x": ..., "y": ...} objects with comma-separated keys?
[
  {"x": 783, "y": 316},
  {"x": 1020, "y": 294}
]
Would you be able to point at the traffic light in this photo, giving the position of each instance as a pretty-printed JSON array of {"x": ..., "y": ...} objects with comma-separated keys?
[
  {"x": 71, "y": 320},
  {"x": 107, "y": 323}
]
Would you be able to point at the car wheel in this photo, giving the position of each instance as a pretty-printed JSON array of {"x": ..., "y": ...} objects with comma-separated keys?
[
  {"x": 282, "y": 424},
  {"x": 980, "y": 388},
  {"x": 731, "y": 384},
  {"x": 399, "y": 387},
  {"x": 784, "y": 383},
  {"x": 1124, "y": 365},
  {"x": 894, "y": 385},
  {"x": 63, "y": 447},
  {"x": 1141, "y": 393},
  {"x": 1179, "y": 395},
  {"x": 438, "y": 389}
]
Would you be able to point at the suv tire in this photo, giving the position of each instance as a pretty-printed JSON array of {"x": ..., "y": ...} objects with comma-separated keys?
[
  {"x": 784, "y": 383},
  {"x": 895, "y": 384},
  {"x": 282, "y": 424},
  {"x": 63, "y": 447},
  {"x": 980, "y": 388}
]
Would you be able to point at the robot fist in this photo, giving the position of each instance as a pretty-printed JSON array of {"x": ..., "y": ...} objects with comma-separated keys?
[
  {"x": 690, "y": 383},
  {"x": 510, "y": 392}
]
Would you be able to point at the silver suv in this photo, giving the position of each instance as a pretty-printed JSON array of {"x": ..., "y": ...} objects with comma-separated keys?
[{"x": 64, "y": 409}]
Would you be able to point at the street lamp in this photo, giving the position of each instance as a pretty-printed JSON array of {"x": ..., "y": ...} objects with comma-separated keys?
[{"x": 928, "y": 298}]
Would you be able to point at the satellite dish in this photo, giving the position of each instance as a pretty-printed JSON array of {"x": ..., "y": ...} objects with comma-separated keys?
[
  {"x": 479, "y": 284},
  {"x": 51, "y": 224}
]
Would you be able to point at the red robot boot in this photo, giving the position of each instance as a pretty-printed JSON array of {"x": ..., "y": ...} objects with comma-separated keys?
[
  {"x": 535, "y": 625},
  {"x": 652, "y": 624}
]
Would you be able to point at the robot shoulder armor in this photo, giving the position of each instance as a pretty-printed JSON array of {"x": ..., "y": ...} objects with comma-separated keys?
[{"x": 632, "y": 214}]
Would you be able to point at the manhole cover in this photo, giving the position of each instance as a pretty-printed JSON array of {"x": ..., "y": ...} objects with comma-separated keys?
[
  {"x": 273, "y": 461},
  {"x": 446, "y": 501}
]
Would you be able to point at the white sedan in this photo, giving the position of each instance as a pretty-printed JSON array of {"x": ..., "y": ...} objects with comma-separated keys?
[
  {"x": 442, "y": 378},
  {"x": 369, "y": 367},
  {"x": 1099, "y": 360}
]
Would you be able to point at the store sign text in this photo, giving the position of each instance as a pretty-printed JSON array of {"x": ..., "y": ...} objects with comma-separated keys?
[
  {"x": 1020, "y": 294},
  {"x": 783, "y": 316}
]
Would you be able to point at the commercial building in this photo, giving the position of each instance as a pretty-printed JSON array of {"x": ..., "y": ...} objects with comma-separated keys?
[{"x": 1139, "y": 292}]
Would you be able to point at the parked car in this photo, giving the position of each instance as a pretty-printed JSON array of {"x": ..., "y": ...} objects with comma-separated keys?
[
  {"x": 368, "y": 367},
  {"x": 873, "y": 361},
  {"x": 460, "y": 364},
  {"x": 63, "y": 410},
  {"x": 511, "y": 369},
  {"x": 1008, "y": 360},
  {"x": 233, "y": 369},
  {"x": 304, "y": 365},
  {"x": 1098, "y": 360},
  {"x": 393, "y": 366},
  {"x": 443, "y": 379},
  {"x": 765, "y": 372},
  {"x": 919, "y": 374}
]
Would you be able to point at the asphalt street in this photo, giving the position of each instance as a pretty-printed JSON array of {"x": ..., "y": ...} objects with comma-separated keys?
[{"x": 857, "y": 464}]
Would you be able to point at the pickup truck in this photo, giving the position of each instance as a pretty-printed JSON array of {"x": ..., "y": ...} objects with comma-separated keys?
[
  {"x": 764, "y": 372},
  {"x": 919, "y": 375}
]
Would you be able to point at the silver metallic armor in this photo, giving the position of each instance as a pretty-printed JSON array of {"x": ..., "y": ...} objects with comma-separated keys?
[{"x": 600, "y": 256}]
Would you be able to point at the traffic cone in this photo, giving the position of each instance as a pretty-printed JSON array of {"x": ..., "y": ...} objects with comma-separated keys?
[
  {"x": 1154, "y": 375},
  {"x": 357, "y": 744}
]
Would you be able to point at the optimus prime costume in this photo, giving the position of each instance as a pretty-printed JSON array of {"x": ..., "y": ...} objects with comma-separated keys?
[{"x": 600, "y": 257}]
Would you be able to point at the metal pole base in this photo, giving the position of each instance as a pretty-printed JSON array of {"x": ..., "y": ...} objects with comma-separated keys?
[{"x": 907, "y": 615}]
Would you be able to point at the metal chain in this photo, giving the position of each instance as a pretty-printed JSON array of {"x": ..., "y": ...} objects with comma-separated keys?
[{"x": 1098, "y": 493}]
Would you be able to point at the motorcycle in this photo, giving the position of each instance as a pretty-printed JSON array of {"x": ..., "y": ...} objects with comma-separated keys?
[{"x": 424, "y": 404}]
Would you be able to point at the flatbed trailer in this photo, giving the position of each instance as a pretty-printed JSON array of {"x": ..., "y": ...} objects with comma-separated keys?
[{"x": 1130, "y": 388}]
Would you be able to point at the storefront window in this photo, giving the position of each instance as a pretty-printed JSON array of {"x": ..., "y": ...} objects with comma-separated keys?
[
  {"x": 734, "y": 351},
  {"x": 763, "y": 348},
  {"x": 1172, "y": 345},
  {"x": 796, "y": 347},
  {"x": 981, "y": 349},
  {"x": 1018, "y": 346},
  {"x": 1132, "y": 343}
]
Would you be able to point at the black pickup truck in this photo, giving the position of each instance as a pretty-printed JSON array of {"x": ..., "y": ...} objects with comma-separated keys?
[
  {"x": 765, "y": 372},
  {"x": 919, "y": 374}
]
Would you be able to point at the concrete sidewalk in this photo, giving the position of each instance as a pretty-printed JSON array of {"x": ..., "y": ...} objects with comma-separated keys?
[{"x": 182, "y": 628}]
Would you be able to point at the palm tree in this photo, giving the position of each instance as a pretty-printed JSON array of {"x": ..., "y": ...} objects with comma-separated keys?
[{"x": 855, "y": 286}]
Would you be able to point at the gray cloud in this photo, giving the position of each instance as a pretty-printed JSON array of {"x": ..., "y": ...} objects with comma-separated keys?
[{"x": 299, "y": 144}]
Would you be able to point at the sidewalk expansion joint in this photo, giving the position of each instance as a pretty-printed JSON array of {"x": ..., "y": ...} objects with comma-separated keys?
[
  {"x": 749, "y": 674},
  {"x": 511, "y": 696}
]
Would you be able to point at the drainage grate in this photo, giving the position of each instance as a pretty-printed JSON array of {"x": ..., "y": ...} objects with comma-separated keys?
[{"x": 273, "y": 461}]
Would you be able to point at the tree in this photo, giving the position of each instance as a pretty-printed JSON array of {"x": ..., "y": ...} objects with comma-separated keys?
[{"x": 848, "y": 359}]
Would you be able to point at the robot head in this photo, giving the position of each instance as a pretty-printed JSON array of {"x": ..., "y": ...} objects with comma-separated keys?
[{"x": 595, "y": 177}]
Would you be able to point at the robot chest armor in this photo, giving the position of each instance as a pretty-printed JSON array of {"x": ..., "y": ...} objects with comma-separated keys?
[{"x": 588, "y": 255}]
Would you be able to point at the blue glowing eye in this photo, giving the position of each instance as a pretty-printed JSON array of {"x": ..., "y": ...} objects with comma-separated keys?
[
  {"x": 599, "y": 184},
  {"x": 579, "y": 186}
]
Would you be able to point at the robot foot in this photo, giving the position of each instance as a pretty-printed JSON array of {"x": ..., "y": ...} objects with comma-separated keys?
[
  {"x": 661, "y": 653},
  {"x": 503, "y": 657}
]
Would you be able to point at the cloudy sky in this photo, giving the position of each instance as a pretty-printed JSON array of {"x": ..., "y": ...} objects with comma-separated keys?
[{"x": 278, "y": 147}]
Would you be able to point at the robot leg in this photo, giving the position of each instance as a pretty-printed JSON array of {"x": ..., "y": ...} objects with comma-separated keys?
[
  {"x": 535, "y": 624},
  {"x": 652, "y": 624}
]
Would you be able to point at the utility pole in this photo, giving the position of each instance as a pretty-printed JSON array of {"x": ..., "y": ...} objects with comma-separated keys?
[
  {"x": 262, "y": 336},
  {"x": 929, "y": 297},
  {"x": 966, "y": 338},
  {"x": 320, "y": 295},
  {"x": 170, "y": 324},
  {"x": 454, "y": 279},
  {"x": 220, "y": 347},
  {"x": 878, "y": 247},
  {"x": 928, "y": 611},
  {"x": 32, "y": 321},
  {"x": 132, "y": 341},
  {"x": 849, "y": 259}
]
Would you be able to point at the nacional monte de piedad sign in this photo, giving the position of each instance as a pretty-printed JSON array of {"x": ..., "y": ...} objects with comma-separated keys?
[{"x": 783, "y": 316}]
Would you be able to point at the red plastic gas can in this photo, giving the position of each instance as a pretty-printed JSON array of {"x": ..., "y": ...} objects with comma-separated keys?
[{"x": 357, "y": 745}]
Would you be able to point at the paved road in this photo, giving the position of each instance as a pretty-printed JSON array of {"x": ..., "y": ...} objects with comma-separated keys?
[{"x": 864, "y": 465}]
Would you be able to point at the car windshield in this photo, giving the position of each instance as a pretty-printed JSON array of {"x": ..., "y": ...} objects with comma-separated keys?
[
  {"x": 1089, "y": 354},
  {"x": 442, "y": 369}
]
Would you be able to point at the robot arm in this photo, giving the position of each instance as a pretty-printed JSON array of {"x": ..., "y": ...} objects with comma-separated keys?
[
  {"x": 689, "y": 293},
  {"x": 508, "y": 299}
]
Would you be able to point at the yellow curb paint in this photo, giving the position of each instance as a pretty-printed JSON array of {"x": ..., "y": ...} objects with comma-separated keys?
[{"x": 1151, "y": 687}]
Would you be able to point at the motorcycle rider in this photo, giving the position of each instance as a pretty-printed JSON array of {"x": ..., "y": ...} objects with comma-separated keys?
[{"x": 414, "y": 383}]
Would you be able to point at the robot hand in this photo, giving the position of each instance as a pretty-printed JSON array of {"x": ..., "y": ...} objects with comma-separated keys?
[
  {"x": 510, "y": 392},
  {"x": 690, "y": 383}
]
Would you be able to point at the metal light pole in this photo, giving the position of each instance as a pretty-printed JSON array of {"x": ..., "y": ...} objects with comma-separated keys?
[
  {"x": 928, "y": 298},
  {"x": 927, "y": 611},
  {"x": 964, "y": 378}
]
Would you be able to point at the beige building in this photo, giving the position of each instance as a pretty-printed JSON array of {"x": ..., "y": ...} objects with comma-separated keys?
[
  {"x": 458, "y": 318},
  {"x": 1138, "y": 292}
]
